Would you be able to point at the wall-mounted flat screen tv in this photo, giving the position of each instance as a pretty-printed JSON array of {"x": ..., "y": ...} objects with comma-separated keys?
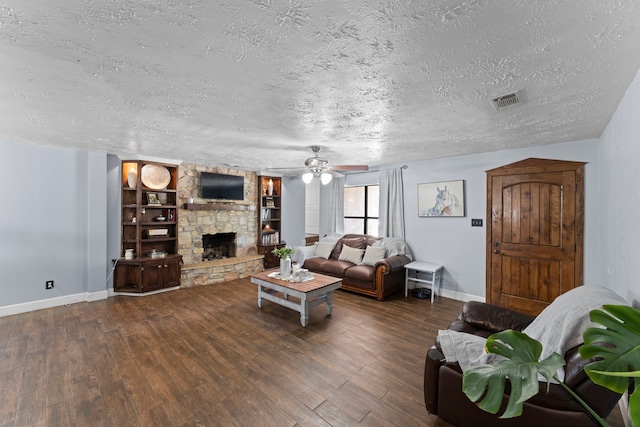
[{"x": 221, "y": 186}]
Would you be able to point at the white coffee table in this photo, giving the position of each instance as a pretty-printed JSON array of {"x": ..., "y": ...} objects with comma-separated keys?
[{"x": 310, "y": 293}]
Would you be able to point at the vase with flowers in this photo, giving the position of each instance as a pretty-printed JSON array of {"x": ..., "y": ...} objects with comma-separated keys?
[{"x": 284, "y": 254}]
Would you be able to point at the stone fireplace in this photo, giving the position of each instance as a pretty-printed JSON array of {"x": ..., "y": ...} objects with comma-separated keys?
[
  {"x": 207, "y": 217},
  {"x": 217, "y": 240},
  {"x": 218, "y": 246}
]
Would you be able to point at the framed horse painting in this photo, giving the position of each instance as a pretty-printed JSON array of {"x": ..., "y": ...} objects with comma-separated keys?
[{"x": 441, "y": 199}]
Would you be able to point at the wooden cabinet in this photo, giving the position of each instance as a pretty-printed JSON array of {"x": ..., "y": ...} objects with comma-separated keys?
[
  {"x": 147, "y": 274},
  {"x": 270, "y": 218},
  {"x": 270, "y": 260},
  {"x": 149, "y": 217}
]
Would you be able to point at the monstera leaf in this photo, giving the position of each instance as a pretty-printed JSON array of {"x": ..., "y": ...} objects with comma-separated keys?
[
  {"x": 521, "y": 369},
  {"x": 616, "y": 349}
]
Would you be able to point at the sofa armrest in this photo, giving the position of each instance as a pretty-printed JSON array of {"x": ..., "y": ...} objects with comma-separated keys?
[
  {"x": 491, "y": 318},
  {"x": 302, "y": 253},
  {"x": 431, "y": 374},
  {"x": 393, "y": 263}
]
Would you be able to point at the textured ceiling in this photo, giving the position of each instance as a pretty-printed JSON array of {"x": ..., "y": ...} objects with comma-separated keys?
[{"x": 254, "y": 83}]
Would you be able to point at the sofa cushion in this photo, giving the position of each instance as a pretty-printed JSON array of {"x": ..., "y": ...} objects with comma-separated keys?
[
  {"x": 332, "y": 267},
  {"x": 323, "y": 250},
  {"x": 362, "y": 273},
  {"x": 351, "y": 240},
  {"x": 373, "y": 254},
  {"x": 350, "y": 254},
  {"x": 314, "y": 264}
]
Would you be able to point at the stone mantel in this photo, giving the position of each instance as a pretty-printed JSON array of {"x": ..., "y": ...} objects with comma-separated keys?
[{"x": 219, "y": 207}]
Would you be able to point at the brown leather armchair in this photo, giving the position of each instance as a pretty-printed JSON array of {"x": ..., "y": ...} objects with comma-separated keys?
[{"x": 443, "y": 394}]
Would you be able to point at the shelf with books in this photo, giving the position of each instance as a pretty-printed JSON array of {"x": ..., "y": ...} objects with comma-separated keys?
[
  {"x": 270, "y": 218},
  {"x": 149, "y": 227}
]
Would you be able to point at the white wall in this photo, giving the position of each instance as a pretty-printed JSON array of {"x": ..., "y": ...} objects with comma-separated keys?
[
  {"x": 453, "y": 243},
  {"x": 113, "y": 211},
  {"x": 293, "y": 211},
  {"x": 620, "y": 229},
  {"x": 53, "y": 226},
  {"x": 312, "y": 207}
]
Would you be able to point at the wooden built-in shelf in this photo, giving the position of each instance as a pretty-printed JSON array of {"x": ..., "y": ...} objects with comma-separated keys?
[{"x": 141, "y": 274}]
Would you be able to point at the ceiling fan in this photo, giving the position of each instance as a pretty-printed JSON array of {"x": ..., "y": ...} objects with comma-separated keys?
[{"x": 317, "y": 167}]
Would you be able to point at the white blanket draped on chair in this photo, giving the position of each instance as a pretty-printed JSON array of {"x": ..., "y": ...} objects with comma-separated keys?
[{"x": 558, "y": 328}]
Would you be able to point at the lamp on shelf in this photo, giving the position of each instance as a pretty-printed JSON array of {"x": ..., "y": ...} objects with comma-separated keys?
[{"x": 130, "y": 174}]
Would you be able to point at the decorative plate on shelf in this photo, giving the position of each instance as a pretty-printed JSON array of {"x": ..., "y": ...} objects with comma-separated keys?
[{"x": 155, "y": 177}]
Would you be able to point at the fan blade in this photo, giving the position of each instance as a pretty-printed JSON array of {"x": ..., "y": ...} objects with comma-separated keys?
[
  {"x": 284, "y": 169},
  {"x": 350, "y": 167}
]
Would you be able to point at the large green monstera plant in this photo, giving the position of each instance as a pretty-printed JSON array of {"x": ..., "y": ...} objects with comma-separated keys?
[
  {"x": 615, "y": 348},
  {"x": 619, "y": 361}
]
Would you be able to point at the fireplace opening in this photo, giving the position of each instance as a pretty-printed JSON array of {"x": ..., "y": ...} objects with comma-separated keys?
[{"x": 218, "y": 246}]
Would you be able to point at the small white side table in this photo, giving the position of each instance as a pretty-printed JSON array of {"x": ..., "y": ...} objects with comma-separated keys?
[{"x": 423, "y": 273}]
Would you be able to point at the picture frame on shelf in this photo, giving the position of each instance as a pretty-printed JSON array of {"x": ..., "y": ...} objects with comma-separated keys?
[{"x": 153, "y": 200}]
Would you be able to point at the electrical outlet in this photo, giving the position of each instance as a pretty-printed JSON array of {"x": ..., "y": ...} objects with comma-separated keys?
[
  {"x": 476, "y": 222},
  {"x": 48, "y": 284}
]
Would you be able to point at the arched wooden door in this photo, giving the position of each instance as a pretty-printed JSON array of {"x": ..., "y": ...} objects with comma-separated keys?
[{"x": 535, "y": 229}]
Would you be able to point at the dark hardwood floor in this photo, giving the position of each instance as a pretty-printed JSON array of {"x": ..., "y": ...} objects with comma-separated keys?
[{"x": 209, "y": 356}]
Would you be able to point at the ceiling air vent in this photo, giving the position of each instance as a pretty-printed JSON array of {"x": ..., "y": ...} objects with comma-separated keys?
[{"x": 505, "y": 101}]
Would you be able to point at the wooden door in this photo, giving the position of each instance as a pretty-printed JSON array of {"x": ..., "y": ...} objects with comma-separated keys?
[{"x": 535, "y": 215}]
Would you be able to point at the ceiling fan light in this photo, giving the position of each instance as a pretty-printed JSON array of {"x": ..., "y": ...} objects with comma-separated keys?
[
  {"x": 307, "y": 177},
  {"x": 325, "y": 178}
]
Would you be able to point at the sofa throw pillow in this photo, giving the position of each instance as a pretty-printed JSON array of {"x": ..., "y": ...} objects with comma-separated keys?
[
  {"x": 353, "y": 255},
  {"x": 373, "y": 254},
  {"x": 351, "y": 240},
  {"x": 323, "y": 250}
]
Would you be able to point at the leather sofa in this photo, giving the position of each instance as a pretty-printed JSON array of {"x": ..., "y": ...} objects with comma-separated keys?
[
  {"x": 382, "y": 279},
  {"x": 443, "y": 381}
]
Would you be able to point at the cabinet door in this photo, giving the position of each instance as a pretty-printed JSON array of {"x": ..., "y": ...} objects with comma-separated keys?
[
  {"x": 171, "y": 274},
  {"x": 153, "y": 276},
  {"x": 127, "y": 278},
  {"x": 270, "y": 260}
]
